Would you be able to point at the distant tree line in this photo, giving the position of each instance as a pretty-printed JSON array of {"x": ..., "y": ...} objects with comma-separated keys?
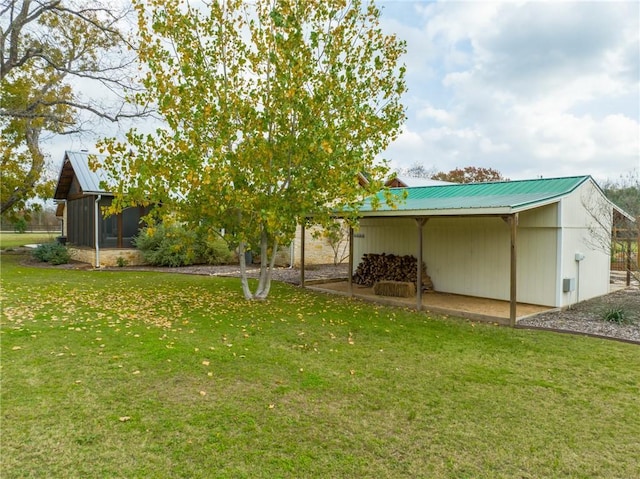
[
  {"x": 36, "y": 219},
  {"x": 468, "y": 174}
]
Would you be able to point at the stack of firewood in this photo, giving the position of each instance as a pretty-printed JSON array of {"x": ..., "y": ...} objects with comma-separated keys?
[{"x": 390, "y": 267}]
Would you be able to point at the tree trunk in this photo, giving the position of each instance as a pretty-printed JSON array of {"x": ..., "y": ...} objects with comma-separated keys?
[
  {"x": 243, "y": 271},
  {"x": 265, "y": 272},
  {"x": 266, "y": 267}
]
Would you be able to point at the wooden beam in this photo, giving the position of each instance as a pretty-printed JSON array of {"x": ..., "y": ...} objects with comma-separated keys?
[
  {"x": 120, "y": 228},
  {"x": 302, "y": 235},
  {"x": 627, "y": 265},
  {"x": 420, "y": 222},
  {"x": 350, "y": 261},
  {"x": 513, "y": 300}
]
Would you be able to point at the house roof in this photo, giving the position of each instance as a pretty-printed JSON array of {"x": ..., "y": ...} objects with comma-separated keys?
[
  {"x": 76, "y": 163},
  {"x": 504, "y": 197},
  {"x": 412, "y": 182}
]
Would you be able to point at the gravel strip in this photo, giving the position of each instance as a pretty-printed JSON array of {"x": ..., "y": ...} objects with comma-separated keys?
[{"x": 587, "y": 317}]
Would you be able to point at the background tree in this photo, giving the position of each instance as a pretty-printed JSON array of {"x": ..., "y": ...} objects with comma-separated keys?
[
  {"x": 336, "y": 234},
  {"x": 470, "y": 174},
  {"x": 272, "y": 109},
  {"x": 47, "y": 48},
  {"x": 418, "y": 170},
  {"x": 625, "y": 192}
]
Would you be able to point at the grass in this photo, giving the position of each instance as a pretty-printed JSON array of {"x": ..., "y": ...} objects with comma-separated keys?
[
  {"x": 130, "y": 374},
  {"x": 14, "y": 240}
]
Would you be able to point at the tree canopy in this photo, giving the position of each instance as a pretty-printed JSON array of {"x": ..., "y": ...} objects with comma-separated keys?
[
  {"x": 272, "y": 110},
  {"x": 470, "y": 174},
  {"x": 625, "y": 192},
  {"x": 46, "y": 47}
]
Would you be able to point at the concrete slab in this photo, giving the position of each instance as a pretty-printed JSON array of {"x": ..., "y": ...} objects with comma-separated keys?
[{"x": 480, "y": 309}]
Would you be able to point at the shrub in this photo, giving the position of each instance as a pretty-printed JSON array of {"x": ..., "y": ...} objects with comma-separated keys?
[
  {"x": 176, "y": 245},
  {"x": 214, "y": 250},
  {"x": 168, "y": 245},
  {"x": 20, "y": 225},
  {"x": 54, "y": 253},
  {"x": 615, "y": 315},
  {"x": 121, "y": 262}
]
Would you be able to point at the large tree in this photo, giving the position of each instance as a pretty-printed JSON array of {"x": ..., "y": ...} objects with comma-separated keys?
[
  {"x": 272, "y": 107},
  {"x": 470, "y": 174},
  {"x": 47, "y": 49}
]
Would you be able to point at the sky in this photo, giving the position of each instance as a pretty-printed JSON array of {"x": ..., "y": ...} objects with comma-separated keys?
[
  {"x": 531, "y": 89},
  {"x": 528, "y": 88}
]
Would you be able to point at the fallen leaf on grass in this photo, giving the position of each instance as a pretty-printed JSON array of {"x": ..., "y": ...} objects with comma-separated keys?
[
  {"x": 205, "y": 363},
  {"x": 203, "y": 393},
  {"x": 124, "y": 418},
  {"x": 16, "y": 348}
]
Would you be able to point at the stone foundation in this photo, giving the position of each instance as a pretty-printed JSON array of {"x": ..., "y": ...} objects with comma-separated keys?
[{"x": 108, "y": 256}]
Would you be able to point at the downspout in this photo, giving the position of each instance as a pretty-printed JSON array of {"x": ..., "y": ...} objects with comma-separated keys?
[{"x": 97, "y": 230}]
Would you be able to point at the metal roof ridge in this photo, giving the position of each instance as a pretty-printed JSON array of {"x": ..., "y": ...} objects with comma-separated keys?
[
  {"x": 530, "y": 180},
  {"x": 560, "y": 194}
]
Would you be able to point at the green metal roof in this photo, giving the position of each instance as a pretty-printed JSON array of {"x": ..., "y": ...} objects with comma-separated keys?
[{"x": 498, "y": 197}]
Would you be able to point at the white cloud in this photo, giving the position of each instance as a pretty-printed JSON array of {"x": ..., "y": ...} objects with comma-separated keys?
[
  {"x": 529, "y": 88},
  {"x": 437, "y": 114}
]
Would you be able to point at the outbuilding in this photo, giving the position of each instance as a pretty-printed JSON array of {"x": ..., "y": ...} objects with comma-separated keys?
[
  {"x": 541, "y": 241},
  {"x": 92, "y": 236}
]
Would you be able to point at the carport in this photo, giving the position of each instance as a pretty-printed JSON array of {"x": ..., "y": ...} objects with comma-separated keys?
[{"x": 527, "y": 242}]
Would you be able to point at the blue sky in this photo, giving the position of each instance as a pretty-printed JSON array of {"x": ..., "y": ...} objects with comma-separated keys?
[{"x": 528, "y": 88}]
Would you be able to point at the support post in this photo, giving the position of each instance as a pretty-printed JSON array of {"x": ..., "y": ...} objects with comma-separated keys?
[
  {"x": 96, "y": 220},
  {"x": 627, "y": 265},
  {"x": 513, "y": 300},
  {"x": 420, "y": 222},
  {"x": 350, "y": 261},
  {"x": 302, "y": 235}
]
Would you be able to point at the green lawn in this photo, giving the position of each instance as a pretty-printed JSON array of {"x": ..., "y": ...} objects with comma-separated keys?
[
  {"x": 14, "y": 240},
  {"x": 112, "y": 374}
]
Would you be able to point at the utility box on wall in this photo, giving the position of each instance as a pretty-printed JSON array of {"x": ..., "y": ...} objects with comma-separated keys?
[{"x": 568, "y": 285}]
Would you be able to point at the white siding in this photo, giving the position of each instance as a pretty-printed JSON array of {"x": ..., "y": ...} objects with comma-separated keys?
[
  {"x": 536, "y": 265},
  {"x": 468, "y": 256},
  {"x": 392, "y": 235},
  {"x": 582, "y": 233}
]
